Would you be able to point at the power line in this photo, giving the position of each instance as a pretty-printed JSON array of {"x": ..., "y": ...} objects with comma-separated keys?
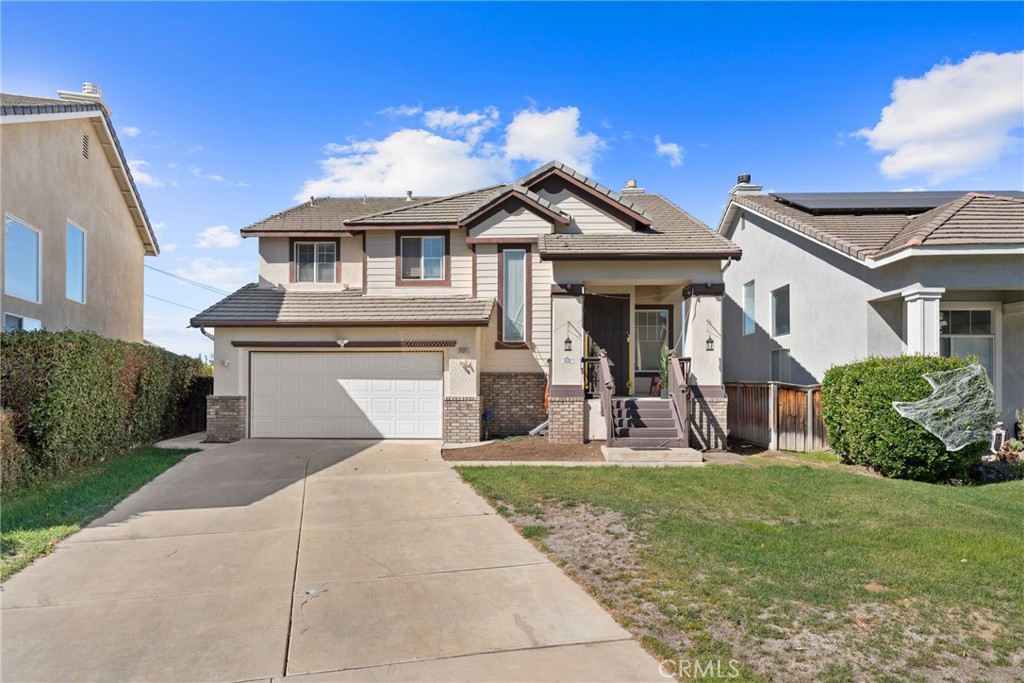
[
  {"x": 173, "y": 303},
  {"x": 185, "y": 279}
]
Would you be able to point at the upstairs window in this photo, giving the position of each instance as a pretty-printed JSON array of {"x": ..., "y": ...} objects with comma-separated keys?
[
  {"x": 315, "y": 261},
  {"x": 21, "y": 260},
  {"x": 749, "y": 323},
  {"x": 422, "y": 258},
  {"x": 74, "y": 276},
  {"x": 780, "y": 311}
]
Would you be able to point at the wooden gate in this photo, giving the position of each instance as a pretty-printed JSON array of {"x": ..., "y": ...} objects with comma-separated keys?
[{"x": 776, "y": 415}]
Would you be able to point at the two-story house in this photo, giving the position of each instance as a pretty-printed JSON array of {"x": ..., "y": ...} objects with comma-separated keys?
[
  {"x": 476, "y": 312},
  {"x": 75, "y": 231},
  {"x": 832, "y": 277}
]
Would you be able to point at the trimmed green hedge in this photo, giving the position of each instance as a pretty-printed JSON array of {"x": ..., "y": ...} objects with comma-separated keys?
[
  {"x": 864, "y": 428},
  {"x": 77, "y": 397}
]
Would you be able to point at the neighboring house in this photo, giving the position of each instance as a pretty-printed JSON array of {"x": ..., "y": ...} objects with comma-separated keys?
[
  {"x": 828, "y": 278},
  {"x": 75, "y": 231},
  {"x": 402, "y": 317}
]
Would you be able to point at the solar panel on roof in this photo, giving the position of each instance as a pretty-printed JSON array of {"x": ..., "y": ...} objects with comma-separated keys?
[{"x": 876, "y": 202}]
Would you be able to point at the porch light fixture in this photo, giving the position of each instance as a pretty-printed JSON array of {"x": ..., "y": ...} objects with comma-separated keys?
[
  {"x": 709, "y": 344},
  {"x": 568, "y": 343}
]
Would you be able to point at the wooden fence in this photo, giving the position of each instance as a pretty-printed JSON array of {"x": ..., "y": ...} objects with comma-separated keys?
[{"x": 776, "y": 415}]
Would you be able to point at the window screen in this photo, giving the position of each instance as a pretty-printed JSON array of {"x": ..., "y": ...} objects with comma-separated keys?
[
  {"x": 21, "y": 260},
  {"x": 74, "y": 288}
]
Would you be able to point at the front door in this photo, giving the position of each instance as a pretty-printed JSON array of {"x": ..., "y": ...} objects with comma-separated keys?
[{"x": 606, "y": 320}]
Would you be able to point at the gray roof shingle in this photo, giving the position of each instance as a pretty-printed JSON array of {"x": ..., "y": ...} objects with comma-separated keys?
[
  {"x": 973, "y": 218},
  {"x": 11, "y": 104},
  {"x": 253, "y": 305},
  {"x": 674, "y": 234},
  {"x": 328, "y": 214},
  {"x": 440, "y": 210}
]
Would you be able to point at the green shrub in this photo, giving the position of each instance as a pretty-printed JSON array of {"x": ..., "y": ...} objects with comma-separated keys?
[
  {"x": 864, "y": 428},
  {"x": 15, "y": 467},
  {"x": 76, "y": 397}
]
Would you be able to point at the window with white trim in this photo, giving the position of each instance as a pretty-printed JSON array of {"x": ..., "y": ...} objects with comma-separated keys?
[
  {"x": 969, "y": 332},
  {"x": 74, "y": 276},
  {"x": 21, "y": 260},
  {"x": 749, "y": 322},
  {"x": 18, "y": 323},
  {"x": 780, "y": 311},
  {"x": 513, "y": 295},
  {"x": 423, "y": 258},
  {"x": 315, "y": 261},
  {"x": 652, "y": 338}
]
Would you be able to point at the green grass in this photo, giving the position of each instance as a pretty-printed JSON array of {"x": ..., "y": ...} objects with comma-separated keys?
[
  {"x": 761, "y": 545},
  {"x": 35, "y": 519}
]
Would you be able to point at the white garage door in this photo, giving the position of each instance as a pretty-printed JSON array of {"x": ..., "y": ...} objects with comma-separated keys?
[{"x": 346, "y": 395}]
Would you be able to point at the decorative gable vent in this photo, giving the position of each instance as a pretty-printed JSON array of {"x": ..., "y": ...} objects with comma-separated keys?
[{"x": 85, "y": 145}]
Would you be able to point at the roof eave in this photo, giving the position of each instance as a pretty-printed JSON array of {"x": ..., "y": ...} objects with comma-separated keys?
[
  {"x": 475, "y": 322},
  {"x": 642, "y": 256}
]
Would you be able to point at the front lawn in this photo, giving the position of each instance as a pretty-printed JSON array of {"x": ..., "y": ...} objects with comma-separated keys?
[
  {"x": 34, "y": 520},
  {"x": 797, "y": 571}
]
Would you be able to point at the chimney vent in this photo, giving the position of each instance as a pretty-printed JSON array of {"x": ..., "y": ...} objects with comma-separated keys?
[
  {"x": 743, "y": 185},
  {"x": 631, "y": 188},
  {"x": 408, "y": 195},
  {"x": 743, "y": 179},
  {"x": 92, "y": 89},
  {"x": 90, "y": 94}
]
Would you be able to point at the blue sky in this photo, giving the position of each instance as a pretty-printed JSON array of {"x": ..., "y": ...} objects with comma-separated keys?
[{"x": 230, "y": 112}]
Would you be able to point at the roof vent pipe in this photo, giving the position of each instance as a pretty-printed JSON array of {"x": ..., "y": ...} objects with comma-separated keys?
[
  {"x": 631, "y": 188},
  {"x": 408, "y": 195},
  {"x": 743, "y": 185}
]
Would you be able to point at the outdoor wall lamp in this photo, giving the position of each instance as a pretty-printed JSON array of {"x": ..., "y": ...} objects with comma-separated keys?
[
  {"x": 709, "y": 344},
  {"x": 568, "y": 343}
]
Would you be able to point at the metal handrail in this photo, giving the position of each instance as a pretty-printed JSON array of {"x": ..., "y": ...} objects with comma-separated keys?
[{"x": 679, "y": 393}]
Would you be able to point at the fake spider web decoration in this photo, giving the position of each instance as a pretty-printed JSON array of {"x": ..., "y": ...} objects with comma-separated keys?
[{"x": 960, "y": 410}]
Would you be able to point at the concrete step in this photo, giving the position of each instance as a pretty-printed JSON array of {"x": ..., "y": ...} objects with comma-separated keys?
[
  {"x": 645, "y": 412},
  {"x": 637, "y": 421},
  {"x": 646, "y": 433},
  {"x": 617, "y": 453}
]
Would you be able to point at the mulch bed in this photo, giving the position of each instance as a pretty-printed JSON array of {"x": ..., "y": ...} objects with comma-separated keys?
[{"x": 526, "y": 449}]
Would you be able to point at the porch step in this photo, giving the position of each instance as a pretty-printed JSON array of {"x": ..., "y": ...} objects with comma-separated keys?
[
  {"x": 636, "y": 442},
  {"x": 673, "y": 455},
  {"x": 645, "y": 433},
  {"x": 637, "y": 421}
]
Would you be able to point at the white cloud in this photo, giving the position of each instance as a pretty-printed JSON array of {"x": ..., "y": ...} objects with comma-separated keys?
[
  {"x": 955, "y": 119},
  {"x": 542, "y": 136},
  {"x": 198, "y": 172},
  {"x": 670, "y": 150},
  {"x": 408, "y": 159},
  {"x": 217, "y": 237},
  {"x": 452, "y": 154},
  {"x": 401, "y": 110},
  {"x": 131, "y": 132},
  {"x": 216, "y": 273},
  {"x": 168, "y": 248},
  {"x": 194, "y": 149},
  {"x": 159, "y": 226},
  {"x": 141, "y": 176},
  {"x": 470, "y": 126}
]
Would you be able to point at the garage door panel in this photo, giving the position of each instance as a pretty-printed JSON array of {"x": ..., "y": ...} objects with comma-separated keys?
[{"x": 346, "y": 395}]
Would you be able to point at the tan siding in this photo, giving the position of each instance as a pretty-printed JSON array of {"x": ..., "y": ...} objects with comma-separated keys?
[
  {"x": 521, "y": 223},
  {"x": 380, "y": 271},
  {"x": 486, "y": 270},
  {"x": 541, "y": 330},
  {"x": 586, "y": 218}
]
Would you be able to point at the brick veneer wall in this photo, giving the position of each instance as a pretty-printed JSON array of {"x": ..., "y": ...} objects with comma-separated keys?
[
  {"x": 709, "y": 419},
  {"x": 515, "y": 399},
  {"x": 462, "y": 419},
  {"x": 566, "y": 416},
  {"x": 225, "y": 418}
]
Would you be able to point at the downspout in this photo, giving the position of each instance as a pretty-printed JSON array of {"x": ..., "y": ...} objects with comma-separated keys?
[{"x": 206, "y": 334}]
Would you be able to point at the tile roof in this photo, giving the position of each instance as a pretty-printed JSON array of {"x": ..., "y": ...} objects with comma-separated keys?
[
  {"x": 576, "y": 175},
  {"x": 972, "y": 219},
  {"x": 440, "y": 210},
  {"x": 328, "y": 213},
  {"x": 11, "y": 104},
  {"x": 255, "y": 305},
  {"x": 673, "y": 234},
  {"x": 506, "y": 190}
]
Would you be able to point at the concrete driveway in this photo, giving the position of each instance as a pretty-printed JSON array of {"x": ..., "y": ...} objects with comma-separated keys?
[{"x": 314, "y": 560}]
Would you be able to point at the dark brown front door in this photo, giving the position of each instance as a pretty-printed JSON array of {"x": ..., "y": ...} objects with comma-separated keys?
[{"x": 606, "y": 320}]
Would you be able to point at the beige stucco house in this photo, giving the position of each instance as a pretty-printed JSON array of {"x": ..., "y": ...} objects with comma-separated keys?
[
  {"x": 828, "y": 278},
  {"x": 476, "y": 313},
  {"x": 75, "y": 231}
]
